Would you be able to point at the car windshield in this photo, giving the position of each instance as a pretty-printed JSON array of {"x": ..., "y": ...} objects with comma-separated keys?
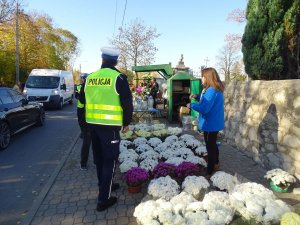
[{"x": 42, "y": 82}]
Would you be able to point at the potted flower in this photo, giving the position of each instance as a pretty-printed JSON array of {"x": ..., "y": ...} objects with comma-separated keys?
[
  {"x": 134, "y": 178},
  {"x": 186, "y": 169},
  {"x": 163, "y": 169},
  {"x": 280, "y": 180}
]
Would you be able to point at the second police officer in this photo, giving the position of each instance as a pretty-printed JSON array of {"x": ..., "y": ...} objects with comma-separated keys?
[{"x": 109, "y": 109}]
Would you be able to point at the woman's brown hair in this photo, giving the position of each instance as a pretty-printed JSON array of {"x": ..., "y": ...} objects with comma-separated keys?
[{"x": 212, "y": 79}]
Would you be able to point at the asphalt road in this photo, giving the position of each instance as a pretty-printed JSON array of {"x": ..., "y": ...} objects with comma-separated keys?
[{"x": 29, "y": 161}]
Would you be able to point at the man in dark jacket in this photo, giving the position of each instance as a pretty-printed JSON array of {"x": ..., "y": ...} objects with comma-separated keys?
[
  {"x": 153, "y": 91},
  {"x": 109, "y": 109}
]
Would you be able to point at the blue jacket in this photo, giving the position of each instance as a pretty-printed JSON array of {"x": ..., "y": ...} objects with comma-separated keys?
[{"x": 211, "y": 110}]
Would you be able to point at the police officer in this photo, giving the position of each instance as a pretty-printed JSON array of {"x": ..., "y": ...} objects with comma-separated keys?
[
  {"x": 85, "y": 132},
  {"x": 109, "y": 109}
]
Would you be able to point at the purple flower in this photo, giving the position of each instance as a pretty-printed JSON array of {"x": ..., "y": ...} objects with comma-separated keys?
[
  {"x": 136, "y": 176},
  {"x": 163, "y": 169},
  {"x": 187, "y": 169}
]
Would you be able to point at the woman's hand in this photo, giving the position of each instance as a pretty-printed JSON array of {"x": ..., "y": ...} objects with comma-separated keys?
[{"x": 193, "y": 96}]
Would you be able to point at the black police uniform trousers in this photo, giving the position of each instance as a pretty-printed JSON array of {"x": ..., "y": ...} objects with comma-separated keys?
[
  {"x": 86, "y": 136},
  {"x": 106, "y": 141}
]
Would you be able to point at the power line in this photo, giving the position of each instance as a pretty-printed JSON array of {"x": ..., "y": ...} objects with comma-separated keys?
[
  {"x": 124, "y": 13},
  {"x": 115, "y": 17}
]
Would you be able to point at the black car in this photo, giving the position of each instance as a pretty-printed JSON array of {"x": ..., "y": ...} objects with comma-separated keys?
[{"x": 16, "y": 114}]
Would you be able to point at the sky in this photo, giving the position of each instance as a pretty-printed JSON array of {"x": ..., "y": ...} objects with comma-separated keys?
[{"x": 194, "y": 28}]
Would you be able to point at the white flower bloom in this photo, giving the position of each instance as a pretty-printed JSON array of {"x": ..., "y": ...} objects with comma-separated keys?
[
  {"x": 184, "y": 152},
  {"x": 127, "y": 165},
  {"x": 131, "y": 127},
  {"x": 177, "y": 145},
  {"x": 145, "y": 212},
  {"x": 139, "y": 141},
  {"x": 253, "y": 200},
  {"x": 123, "y": 148},
  {"x": 224, "y": 181},
  {"x": 163, "y": 187},
  {"x": 175, "y": 160},
  {"x": 142, "y": 126},
  {"x": 171, "y": 139},
  {"x": 186, "y": 137},
  {"x": 196, "y": 160},
  {"x": 143, "y": 148},
  {"x": 193, "y": 143},
  {"x": 279, "y": 176},
  {"x": 174, "y": 130},
  {"x": 128, "y": 155},
  {"x": 159, "y": 126},
  {"x": 218, "y": 207},
  {"x": 201, "y": 150},
  {"x": 162, "y": 147},
  {"x": 181, "y": 201},
  {"x": 160, "y": 133},
  {"x": 167, "y": 154},
  {"x": 143, "y": 133},
  {"x": 126, "y": 135},
  {"x": 154, "y": 142},
  {"x": 125, "y": 143},
  {"x": 148, "y": 164},
  {"x": 149, "y": 154},
  {"x": 193, "y": 185}
]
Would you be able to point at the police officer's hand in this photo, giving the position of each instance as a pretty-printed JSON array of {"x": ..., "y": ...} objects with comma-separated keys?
[{"x": 125, "y": 129}]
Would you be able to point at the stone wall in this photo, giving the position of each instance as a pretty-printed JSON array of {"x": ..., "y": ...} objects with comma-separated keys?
[{"x": 263, "y": 120}]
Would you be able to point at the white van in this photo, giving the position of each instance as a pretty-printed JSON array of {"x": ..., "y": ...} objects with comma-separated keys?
[{"x": 50, "y": 87}]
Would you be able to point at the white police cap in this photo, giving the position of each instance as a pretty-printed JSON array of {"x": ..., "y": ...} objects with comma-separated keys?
[{"x": 110, "y": 53}]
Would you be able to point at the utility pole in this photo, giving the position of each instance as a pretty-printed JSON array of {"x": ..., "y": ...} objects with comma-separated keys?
[
  {"x": 17, "y": 44},
  {"x": 206, "y": 60}
]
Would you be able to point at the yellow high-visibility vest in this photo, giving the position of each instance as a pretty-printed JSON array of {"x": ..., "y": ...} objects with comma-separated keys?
[
  {"x": 79, "y": 104},
  {"x": 102, "y": 102}
]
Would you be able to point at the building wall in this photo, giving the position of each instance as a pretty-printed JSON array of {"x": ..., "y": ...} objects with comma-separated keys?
[{"x": 263, "y": 120}]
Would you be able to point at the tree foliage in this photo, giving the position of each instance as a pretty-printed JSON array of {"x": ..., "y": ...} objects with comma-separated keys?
[
  {"x": 228, "y": 56},
  {"x": 41, "y": 45},
  {"x": 136, "y": 44},
  {"x": 7, "y": 8},
  {"x": 270, "y": 46}
]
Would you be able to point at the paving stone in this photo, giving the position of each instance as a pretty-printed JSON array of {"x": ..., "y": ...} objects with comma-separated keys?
[
  {"x": 122, "y": 220},
  {"x": 89, "y": 218},
  {"x": 71, "y": 209},
  {"x": 100, "y": 222},
  {"x": 67, "y": 221}
]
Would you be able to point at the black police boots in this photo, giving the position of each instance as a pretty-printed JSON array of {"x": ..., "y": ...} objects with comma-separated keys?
[{"x": 101, "y": 206}]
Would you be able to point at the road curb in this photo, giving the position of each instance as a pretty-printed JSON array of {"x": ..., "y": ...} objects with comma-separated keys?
[{"x": 36, "y": 205}]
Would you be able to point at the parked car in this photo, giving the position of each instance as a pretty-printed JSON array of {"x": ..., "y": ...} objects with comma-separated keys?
[{"x": 16, "y": 114}]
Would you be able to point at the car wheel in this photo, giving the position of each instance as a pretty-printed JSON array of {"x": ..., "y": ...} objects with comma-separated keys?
[
  {"x": 60, "y": 104},
  {"x": 71, "y": 101},
  {"x": 4, "y": 135},
  {"x": 41, "y": 119}
]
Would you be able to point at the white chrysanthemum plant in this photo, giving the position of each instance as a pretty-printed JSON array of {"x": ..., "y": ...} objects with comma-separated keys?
[
  {"x": 163, "y": 187},
  {"x": 194, "y": 185},
  {"x": 148, "y": 164},
  {"x": 142, "y": 126},
  {"x": 139, "y": 141},
  {"x": 128, "y": 155},
  {"x": 215, "y": 209},
  {"x": 174, "y": 130},
  {"x": 159, "y": 126},
  {"x": 154, "y": 142},
  {"x": 143, "y": 133},
  {"x": 127, "y": 165},
  {"x": 254, "y": 201},
  {"x": 224, "y": 181},
  {"x": 280, "y": 177},
  {"x": 201, "y": 150},
  {"x": 127, "y": 135},
  {"x": 171, "y": 138}
]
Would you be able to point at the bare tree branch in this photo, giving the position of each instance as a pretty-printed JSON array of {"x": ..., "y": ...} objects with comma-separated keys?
[{"x": 7, "y": 9}]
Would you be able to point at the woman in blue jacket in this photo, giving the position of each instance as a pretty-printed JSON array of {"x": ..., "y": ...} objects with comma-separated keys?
[{"x": 211, "y": 114}]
